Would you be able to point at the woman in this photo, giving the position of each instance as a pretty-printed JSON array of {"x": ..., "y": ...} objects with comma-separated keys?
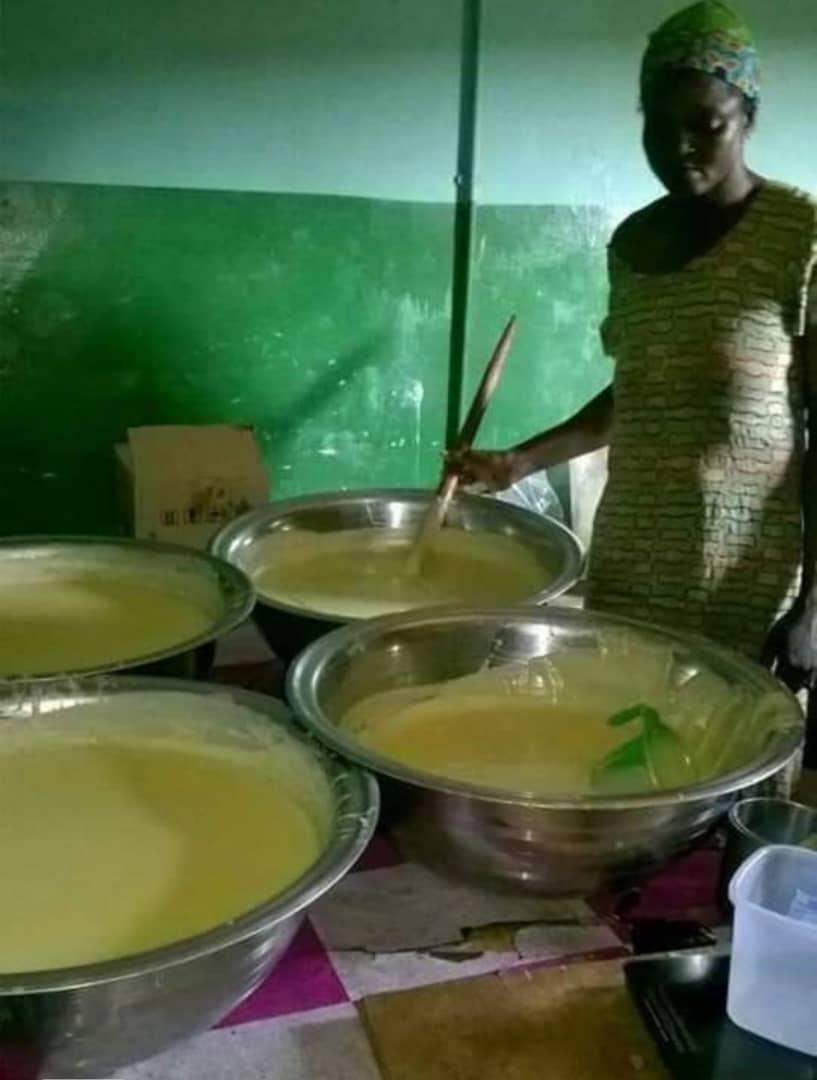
[{"x": 708, "y": 521}]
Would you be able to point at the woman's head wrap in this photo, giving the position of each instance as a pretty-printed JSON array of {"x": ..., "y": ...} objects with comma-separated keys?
[{"x": 708, "y": 37}]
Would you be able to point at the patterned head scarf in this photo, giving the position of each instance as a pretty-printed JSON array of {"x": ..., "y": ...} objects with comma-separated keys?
[{"x": 708, "y": 37}]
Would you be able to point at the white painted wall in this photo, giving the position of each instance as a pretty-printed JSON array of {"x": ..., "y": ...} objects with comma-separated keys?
[
  {"x": 346, "y": 97},
  {"x": 559, "y": 121},
  {"x": 360, "y": 97}
]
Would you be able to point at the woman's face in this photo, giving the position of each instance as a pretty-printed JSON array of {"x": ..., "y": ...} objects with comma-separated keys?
[{"x": 695, "y": 128}]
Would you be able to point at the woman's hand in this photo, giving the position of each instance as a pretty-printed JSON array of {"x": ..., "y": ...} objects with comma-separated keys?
[
  {"x": 497, "y": 470},
  {"x": 790, "y": 651},
  {"x": 494, "y": 470}
]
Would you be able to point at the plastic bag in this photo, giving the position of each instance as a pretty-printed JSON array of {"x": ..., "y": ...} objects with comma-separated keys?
[
  {"x": 534, "y": 493},
  {"x": 588, "y": 477}
]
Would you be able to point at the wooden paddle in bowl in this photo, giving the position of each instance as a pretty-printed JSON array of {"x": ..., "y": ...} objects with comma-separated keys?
[{"x": 449, "y": 482}]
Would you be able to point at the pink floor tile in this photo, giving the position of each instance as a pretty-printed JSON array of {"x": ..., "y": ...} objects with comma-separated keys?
[
  {"x": 304, "y": 979},
  {"x": 685, "y": 890},
  {"x": 379, "y": 854}
]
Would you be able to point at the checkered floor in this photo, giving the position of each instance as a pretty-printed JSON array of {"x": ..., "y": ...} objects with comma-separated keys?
[{"x": 391, "y": 925}]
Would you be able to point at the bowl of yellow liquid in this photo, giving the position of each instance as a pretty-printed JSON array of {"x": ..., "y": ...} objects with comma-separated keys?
[
  {"x": 501, "y": 741},
  {"x": 87, "y": 605},
  {"x": 321, "y": 561},
  {"x": 160, "y": 841}
]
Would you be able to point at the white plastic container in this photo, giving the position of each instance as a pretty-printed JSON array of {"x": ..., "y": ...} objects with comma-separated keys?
[{"x": 773, "y": 975}]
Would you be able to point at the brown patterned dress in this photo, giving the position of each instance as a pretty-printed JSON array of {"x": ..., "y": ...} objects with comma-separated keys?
[{"x": 700, "y": 525}]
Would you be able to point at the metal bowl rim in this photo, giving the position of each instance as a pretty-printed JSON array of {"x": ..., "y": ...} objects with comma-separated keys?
[
  {"x": 272, "y": 511},
  {"x": 304, "y": 672},
  {"x": 336, "y": 860},
  {"x": 232, "y": 618}
]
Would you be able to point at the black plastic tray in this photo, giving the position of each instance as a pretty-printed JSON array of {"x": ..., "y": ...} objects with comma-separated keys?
[{"x": 682, "y": 1000}]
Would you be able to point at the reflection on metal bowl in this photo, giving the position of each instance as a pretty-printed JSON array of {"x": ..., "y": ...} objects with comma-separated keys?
[
  {"x": 557, "y": 846},
  {"x": 91, "y": 1020},
  {"x": 223, "y": 590},
  {"x": 289, "y": 629}
]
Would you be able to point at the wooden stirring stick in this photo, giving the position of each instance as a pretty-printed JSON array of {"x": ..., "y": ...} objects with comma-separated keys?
[{"x": 435, "y": 515}]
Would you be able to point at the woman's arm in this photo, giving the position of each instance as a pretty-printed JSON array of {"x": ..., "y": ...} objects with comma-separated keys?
[
  {"x": 791, "y": 650},
  {"x": 810, "y": 474},
  {"x": 588, "y": 430}
]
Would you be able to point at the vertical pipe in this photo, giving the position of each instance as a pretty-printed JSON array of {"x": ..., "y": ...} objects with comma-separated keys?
[{"x": 463, "y": 212}]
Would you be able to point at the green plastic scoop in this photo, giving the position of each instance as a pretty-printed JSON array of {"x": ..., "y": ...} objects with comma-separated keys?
[{"x": 654, "y": 759}]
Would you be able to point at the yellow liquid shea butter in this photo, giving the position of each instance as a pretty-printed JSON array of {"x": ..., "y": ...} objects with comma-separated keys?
[
  {"x": 73, "y": 619},
  {"x": 363, "y": 572},
  {"x": 485, "y": 736},
  {"x": 114, "y": 841}
]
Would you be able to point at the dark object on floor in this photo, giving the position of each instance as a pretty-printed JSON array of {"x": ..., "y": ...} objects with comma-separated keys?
[
  {"x": 682, "y": 1001},
  {"x": 21, "y": 1020},
  {"x": 668, "y": 935},
  {"x": 810, "y": 751},
  {"x": 193, "y": 664},
  {"x": 266, "y": 678},
  {"x": 288, "y": 633}
]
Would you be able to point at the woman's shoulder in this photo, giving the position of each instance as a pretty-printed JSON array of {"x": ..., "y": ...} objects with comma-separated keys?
[
  {"x": 783, "y": 210},
  {"x": 793, "y": 203},
  {"x": 630, "y": 234},
  {"x": 638, "y": 234}
]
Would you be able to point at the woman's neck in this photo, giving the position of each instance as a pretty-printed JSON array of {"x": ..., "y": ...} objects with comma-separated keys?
[{"x": 734, "y": 190}]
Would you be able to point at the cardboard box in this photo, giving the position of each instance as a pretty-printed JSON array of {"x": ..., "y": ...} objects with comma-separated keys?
[{"x": 181, "y": 483}]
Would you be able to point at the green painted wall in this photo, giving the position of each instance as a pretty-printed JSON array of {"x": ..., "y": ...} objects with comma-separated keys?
[
  {"x": 546, "y": 264},
  {"x": 323, "y": 321},
  {"x": 322, "y": 315}
]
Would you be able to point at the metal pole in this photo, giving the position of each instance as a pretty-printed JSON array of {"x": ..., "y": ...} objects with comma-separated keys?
[{"x": 463, "y": 213}]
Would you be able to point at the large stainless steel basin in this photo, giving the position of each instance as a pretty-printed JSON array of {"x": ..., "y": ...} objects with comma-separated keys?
[
  {"x": 222, "y": 589},
  {"x": 552, "y": 845},
  {"x": 289, "y": 629},
  {"x": 88, "y": 1021}
]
